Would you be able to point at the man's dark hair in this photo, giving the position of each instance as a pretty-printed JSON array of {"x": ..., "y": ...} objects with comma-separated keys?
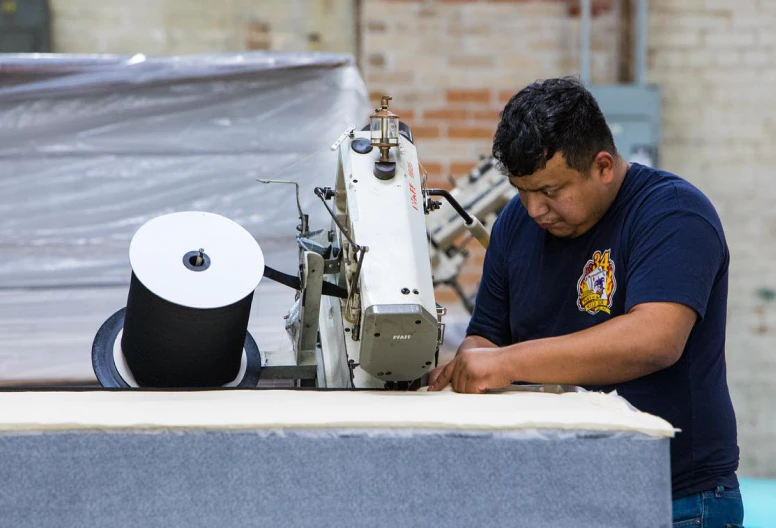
[{"x": 555, "y": 115}]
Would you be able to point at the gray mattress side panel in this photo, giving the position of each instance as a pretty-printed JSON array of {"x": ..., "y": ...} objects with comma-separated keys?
[{"x": 242, "y": 478}]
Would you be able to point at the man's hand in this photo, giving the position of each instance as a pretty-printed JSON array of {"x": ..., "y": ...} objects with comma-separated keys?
[
  {"x": 434, "y": 374},
  {"x": 470, "y": 342},
  {"x": 474, "y": 370}
]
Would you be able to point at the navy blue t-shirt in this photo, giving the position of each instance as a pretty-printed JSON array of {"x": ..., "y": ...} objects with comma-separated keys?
[{"x": 660, "y": 241}]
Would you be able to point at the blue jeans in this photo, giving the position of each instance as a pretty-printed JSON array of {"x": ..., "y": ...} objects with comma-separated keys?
[{"x": 721, "y": 508}]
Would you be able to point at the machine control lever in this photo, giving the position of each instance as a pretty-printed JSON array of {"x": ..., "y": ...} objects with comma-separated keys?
[{"x": 471, "y": 223}]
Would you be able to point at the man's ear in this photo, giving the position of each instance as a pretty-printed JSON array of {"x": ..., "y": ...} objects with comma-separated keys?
[{"x": 603, "y": 166}]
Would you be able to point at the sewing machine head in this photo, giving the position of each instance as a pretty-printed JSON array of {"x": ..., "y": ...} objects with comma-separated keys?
[
  {"x": 391, "y": 310},
  {"x": 390, "y": 320}
]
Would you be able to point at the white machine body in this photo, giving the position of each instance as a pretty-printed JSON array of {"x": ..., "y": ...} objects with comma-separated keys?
[
  {"x": 397, "y": 330},
  {"x": 383, "y": 252}
]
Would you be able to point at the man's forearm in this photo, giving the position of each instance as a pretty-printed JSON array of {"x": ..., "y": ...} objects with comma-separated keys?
[
  {"x": 474, "y": 341},
  {"x": 624, "y": 348}
]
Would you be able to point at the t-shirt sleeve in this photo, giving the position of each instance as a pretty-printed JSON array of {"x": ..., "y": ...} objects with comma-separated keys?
[
  {"x": 491, "y": 308},
  {"x": 675, "y": 257}
]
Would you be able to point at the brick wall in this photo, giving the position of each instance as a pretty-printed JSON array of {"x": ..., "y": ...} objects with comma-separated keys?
[
  {"x": 716, "y": 64},
  {"x": 451, "y": 66},
  {"x": 195, "y": 26}
]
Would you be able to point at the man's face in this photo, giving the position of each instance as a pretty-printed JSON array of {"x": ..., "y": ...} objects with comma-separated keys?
[{"x": 562, "y": 200}]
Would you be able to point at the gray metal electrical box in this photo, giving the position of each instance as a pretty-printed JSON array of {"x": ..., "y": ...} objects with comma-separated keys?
[
  {"x": 25, "y": 26},
  {"x": 633, "y": 114}
]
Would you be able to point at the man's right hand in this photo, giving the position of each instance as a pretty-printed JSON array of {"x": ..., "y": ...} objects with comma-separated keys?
[
  {"x": 469, "y": 342},
  {"x": 434, "y": 374}
]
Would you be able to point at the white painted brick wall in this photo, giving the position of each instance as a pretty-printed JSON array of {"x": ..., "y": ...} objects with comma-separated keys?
[
  {"x": 194, "y": 26},
  {"x": 716, "y": 63}
]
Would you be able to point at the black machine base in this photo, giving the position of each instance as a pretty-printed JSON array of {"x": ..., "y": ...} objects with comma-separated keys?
[{"x": 107, "y": 373}]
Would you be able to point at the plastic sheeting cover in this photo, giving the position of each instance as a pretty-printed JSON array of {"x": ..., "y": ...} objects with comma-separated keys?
[{"x": 91, "y": 147}]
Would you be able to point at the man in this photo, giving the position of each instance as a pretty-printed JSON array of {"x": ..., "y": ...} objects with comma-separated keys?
[{"x": 612, "y": 276}]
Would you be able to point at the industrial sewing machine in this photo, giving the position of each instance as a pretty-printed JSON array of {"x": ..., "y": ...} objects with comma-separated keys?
[{"x": 366, "y": 312}]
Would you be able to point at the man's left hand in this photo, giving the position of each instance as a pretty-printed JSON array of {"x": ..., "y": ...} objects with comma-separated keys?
[{"x": 475, "y": 371}]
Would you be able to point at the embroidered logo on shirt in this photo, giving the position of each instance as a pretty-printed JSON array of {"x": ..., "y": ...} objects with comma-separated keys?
[{"x": 596, "y": 286}]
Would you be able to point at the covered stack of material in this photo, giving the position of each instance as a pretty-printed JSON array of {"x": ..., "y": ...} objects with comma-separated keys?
[{"x": 92, "y": 147}]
